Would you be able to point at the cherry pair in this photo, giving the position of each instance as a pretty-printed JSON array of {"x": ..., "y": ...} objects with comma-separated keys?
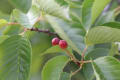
[{"x": 62, "y": 43}]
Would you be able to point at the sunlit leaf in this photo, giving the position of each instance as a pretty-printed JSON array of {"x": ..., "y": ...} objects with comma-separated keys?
[{"x": 29, "y": 19}]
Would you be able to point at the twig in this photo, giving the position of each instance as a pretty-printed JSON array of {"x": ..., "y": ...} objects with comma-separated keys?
[
  {"x": 44, "y": 31},
  {"x": 25, "y": 29},
  {"x": 40, "y": 18},
  {"x": 37, "y": 30},
  {"x": 82, "y": 62},
  {"x": 12, "y": 23},
  {"x": 83, "y": 54},
  {"x": 81, "y": 65},
  {"x": 71, "y": 56},
  {"x": 77, "y": 70},
  {"x": 89, "y": 61}
]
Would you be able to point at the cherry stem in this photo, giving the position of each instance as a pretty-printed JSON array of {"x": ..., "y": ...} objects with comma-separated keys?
[
  {"x": 71, "y": 56},
  {"x": 81, "y": 65},
  {"x": 89, "y": 61},
  {"x": 76, "y": 71},
  {"x": 82, "y": 62},
  {"x": 25, "y": 29},
  {"x": 83, "y": 54}
]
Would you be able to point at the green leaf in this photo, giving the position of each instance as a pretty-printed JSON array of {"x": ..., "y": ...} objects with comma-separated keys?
[
  {"x": 2, "y": 38},
  {"x": 53, "y": 68},
  {"x": 117, "y": 17},
  {"x": 23, "y": 5},
  {"x": 38, "y": 62},
  {"x": 91, "y": 9},
  {"x": 104, "y": 45},
  {"x": 29, "y": 19},
  {"x": 3, "y": 23},
  {"x": 102, "y": 34},
  {"x": 65, "y": 76},
  {"x": 4, "y": 16},
  {"x": 40, "y": 43},
  {"x": 86, "y": 13},
  {"x": 61, "y": 2},
  {"x": 94, "y": 54},
  {"x": 22, "y": 18},
  {"x": 114, "y": 49},
  {"x": 6, "y": 7},
  {"x": 76, "y": 14},
  {"x": 53, "y": 8},
  {"x": 15, "y": 58},
  {"x": 72, "y": 67},
  {"x": 71, "y": 35},
  {"x": 12, "y": 29},
  {"x": 106, "y": 68},
  {"x": 74, "y": 3},
  {"x": 112, "y": 24},
  {"x": 105, "y": 18},
  {"x": 53, "y": 49},
  {"x": 97, "y": 52},
  {"x": 98, "y": 7}
]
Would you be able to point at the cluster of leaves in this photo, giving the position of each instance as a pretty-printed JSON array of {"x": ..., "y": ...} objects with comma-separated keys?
[{"x": 82, "y": 23}]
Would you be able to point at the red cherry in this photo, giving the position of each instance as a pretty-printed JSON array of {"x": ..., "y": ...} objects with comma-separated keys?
[
  {"x": 63, "y": 44},
  {"x": 55, "y": 41}
]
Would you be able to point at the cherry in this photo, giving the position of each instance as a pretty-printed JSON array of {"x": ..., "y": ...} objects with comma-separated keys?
[
  {"x": 63, "y": 44},
  {"x": 55, "y": 41}
]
